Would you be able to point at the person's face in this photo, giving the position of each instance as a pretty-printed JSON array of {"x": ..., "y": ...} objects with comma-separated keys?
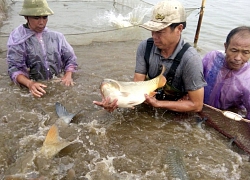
[
  {"x": 167, "y": 37},
  {"x": 37, "y": 23},
  {"x": 237, "y": 51}
]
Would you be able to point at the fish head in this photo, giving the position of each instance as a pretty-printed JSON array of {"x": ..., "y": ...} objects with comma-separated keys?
[{"x": 108, "y": 87}]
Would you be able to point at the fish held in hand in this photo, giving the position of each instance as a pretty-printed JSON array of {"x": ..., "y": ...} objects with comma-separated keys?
[{"x": 130, "y": 94}]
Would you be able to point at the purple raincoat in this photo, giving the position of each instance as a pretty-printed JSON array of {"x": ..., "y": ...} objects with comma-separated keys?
[
  {"x": 38, "y": 56},
  {"x": 226, "y": 88}
]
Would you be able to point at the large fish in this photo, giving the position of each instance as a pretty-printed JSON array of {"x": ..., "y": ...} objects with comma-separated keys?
[
  {"x": 52, "y": 145},
  {"x": 130, "y": 94},
  {"x": 176, "y": 164}
]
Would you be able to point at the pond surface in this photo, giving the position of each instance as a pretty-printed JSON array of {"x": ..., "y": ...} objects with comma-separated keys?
[{"x": 126, "y": 144}]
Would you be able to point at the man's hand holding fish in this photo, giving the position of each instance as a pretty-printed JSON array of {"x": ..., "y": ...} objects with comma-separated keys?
[
  {"x": 106, "y": 104},
  {"x": 167, "y": 48},
  {"x": 128, "y": 94}
]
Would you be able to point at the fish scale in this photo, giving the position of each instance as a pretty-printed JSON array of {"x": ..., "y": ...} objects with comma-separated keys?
[{"x": 176, "y": 164}]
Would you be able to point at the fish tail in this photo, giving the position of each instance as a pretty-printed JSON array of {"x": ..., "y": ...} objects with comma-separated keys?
[
  {"x": 64, "y": 114},
  {"x": 53, "y": 143},
  {"x": 52, "y": 136},
  {"x": 162, "y": 80},
  {"x": 163, "y": 69}
]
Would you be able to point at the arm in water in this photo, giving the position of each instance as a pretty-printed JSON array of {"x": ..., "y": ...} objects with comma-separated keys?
[
  {"x": 67, "y": 79},
  {"x": 193, "y": 102},
  {"x": 37, "y": 53},
  {"x": 36, "y": 88}
]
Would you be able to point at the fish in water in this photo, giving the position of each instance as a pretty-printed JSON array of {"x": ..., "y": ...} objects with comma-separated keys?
[
  {"x": 130, "y": 94},
  {"x": 176, "y": 164},
  {"x": 52, "y": 145},
  {"x": 63, "y": 114}
]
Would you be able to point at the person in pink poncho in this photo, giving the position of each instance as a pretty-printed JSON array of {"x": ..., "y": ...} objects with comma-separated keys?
[
  {"x": 228, "y": 74},
  {"x": 37, "y": 53}
]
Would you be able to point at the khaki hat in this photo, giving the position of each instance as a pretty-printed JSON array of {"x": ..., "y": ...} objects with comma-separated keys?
[
  {"x": 35, "y": 8},
  {"x": 164, "y": 14}
]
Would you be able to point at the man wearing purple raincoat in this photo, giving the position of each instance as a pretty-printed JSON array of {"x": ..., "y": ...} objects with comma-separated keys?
[
  {"x": 228, "y": 74},
  {"x": 36, "y": 53}
]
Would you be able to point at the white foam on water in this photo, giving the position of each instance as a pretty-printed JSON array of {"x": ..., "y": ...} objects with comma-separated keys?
[{"x": 117, "y": 20}]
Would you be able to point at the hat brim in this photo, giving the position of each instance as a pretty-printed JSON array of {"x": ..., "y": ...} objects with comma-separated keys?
[
  {"x": 36, "y": 12},
  {"x": 155, "y": 26}
]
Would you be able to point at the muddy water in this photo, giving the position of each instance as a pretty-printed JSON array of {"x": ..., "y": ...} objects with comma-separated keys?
[{"x": 126, "y": 144}]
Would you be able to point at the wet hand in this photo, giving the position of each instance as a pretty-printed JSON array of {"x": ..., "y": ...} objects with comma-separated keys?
[
  {"x": 150, "y": 100},
  {"x": 37, "y": 89},
  {"x": 107, "y": 105},
  {"x": 67, "y": 81}
]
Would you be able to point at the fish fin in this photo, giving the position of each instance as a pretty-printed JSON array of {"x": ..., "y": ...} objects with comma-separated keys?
[
  {"x": 53, "y": 143},
  {"x": 163, "y": 69},
  {"x": 52, "y": 136},
  {"x": 200, "y": 121},
  {"x": 232, "y": 140},
  {"x": 151, "y": 94},
  {"x": 162, "y": 79},
  {"x": 64, "y": 114}
]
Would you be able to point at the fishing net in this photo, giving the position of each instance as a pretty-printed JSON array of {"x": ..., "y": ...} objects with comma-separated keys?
[
  {"x": 90, "y": 20},
  {"x": 238, "y": 131}
]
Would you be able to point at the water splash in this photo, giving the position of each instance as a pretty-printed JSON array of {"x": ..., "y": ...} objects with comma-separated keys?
[{"x": 118, "y": 20}]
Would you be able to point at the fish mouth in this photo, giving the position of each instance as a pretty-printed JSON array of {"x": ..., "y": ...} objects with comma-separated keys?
[{"x": 103, "y": 86}]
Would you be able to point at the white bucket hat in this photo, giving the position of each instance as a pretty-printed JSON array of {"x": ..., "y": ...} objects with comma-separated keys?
[{"x": 164, "y": 14}]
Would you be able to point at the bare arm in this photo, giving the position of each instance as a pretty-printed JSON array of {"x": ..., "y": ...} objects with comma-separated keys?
[
  {"x": 36, "y": 88},
  {"x": 67, "y": 79},
  {"x": 194, "y": 102},
  {"x": 139, "y": 77}
]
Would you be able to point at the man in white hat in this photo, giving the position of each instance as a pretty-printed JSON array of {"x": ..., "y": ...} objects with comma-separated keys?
[
  {"x": 36, "y": 53},
  {"x": 184, "y": 90}
]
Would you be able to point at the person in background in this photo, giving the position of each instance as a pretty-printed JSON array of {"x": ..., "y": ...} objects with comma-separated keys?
[
  {"x": 228, "y": 74},
  {"x": 185, "y": 79},
  {"x": 36, "y": 53}
]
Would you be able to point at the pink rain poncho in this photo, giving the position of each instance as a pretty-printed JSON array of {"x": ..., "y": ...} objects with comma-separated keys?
[
  {"x": 226, "y": 88},
  {"x": 38, "y": 56}
]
